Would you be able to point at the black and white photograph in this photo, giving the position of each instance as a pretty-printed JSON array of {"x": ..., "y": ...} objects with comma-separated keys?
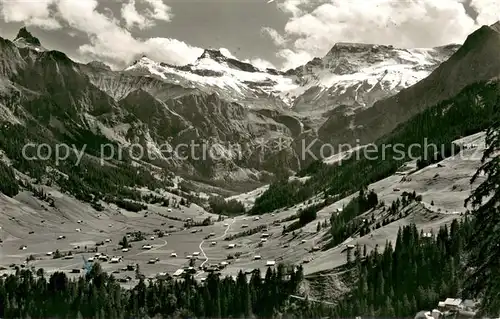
[{"x": 268, "y": 159}]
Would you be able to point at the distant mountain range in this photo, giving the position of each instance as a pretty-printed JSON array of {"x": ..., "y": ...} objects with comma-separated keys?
[{"x": 355, "y": 92}]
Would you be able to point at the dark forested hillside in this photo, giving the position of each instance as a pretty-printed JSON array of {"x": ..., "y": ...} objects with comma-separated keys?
[
  {"x": 98, "y": 295},
  {"x": 89, "y": 180},
  {"x": 413, "y": 274},
  {"x": 483, "y": 254},
  {"x": 222, "y": 122},
  {"x": 469, "y": 112}
]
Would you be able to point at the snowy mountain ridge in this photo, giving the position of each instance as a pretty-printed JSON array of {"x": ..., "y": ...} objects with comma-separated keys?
[
  {"x": 356, "y": 74},
  {"x": 218, "y": 100},
  {"x": 216, "y": 76}
]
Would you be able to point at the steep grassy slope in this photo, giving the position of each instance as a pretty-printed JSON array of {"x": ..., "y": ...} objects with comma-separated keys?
[{"x": 439, "y": 125}]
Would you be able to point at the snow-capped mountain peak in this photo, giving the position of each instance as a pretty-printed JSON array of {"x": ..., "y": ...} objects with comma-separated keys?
[
  {"x": 356, "y": 75},
  {"x": 146, "y": 66},
  {"x": 350, "y": 74},
  {"x": 144, "y": 60},
  {"x": 346, "y": 58},
  {"x": 217, "y": 60},
  {"x": 213, "y": 54},
  {"x": 214, "y": 72}
]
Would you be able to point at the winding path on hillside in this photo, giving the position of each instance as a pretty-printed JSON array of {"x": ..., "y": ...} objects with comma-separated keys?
[{"x": 203, "y": 241}]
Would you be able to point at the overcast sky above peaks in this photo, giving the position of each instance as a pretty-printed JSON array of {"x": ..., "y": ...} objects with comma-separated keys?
[{"x": 280, "y": 33}]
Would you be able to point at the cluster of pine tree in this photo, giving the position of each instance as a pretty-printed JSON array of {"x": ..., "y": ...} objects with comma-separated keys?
[
  {"x": 482, "y": 269},
  {"x": 281, "y": 194},
  {"x": 344, "y": 224},
  {"x": 439, "y": 125},
  {"x": 220, "y": 206},
  {"x": 129, "y": 205},
  {"x": 99, "y": 295},
  {"x": 306, "y": 215},
  {"x": 412, "y": 275},
  {"x": 206, "y": 222},
  {"x": 395, "y": 211},
  {"x": 88, "y": 181},
  {"x": 8, "y": 182}
]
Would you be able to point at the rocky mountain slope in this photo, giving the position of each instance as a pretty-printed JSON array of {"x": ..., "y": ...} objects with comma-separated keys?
[
  {"x": 354, "y": 76},
  {"x": 225, "y": 121},
  {"x": 45, "y": 97},
  {"x": 477, "y": 60}
]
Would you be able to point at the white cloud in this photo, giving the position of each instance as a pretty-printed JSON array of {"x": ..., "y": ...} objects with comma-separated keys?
[
  {"x": 133, "y": 18},
  {"x": 108, "y": 41},
  {"x": 488, "y": 11},
  {"x": 417, "y": 23},
  {"x": 171, "y": 51},
  {"x": 157, "y": 11},
  {"x": 160, "y": 10},
  {"x": 32, "y": 13},
  {"x": 257, "y": 62},
  {"x": 261, "y": 63},
  {"x": 294, "y": 59},
  {"x": 294, "y": 7},
  {"x": 227, "y": 53},
  {"x": 107, "y": 38},
  {"x": 277, "y": 38}
]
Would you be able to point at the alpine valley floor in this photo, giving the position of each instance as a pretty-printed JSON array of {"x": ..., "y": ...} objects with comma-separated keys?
[{"x": 27, "y": 221}]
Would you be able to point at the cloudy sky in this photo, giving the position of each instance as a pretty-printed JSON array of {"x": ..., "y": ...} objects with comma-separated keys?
[{"x": 282, "y": 33}]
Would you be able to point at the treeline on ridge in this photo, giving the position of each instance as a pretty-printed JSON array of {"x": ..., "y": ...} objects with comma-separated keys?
[
  {"x": 220, "y": 206},
  {"x": 412, "y": 274},
  {"x": 439, "y": 125},
  {"x": 99, "y": 295},
  {"x": 88, "y": 181}
]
